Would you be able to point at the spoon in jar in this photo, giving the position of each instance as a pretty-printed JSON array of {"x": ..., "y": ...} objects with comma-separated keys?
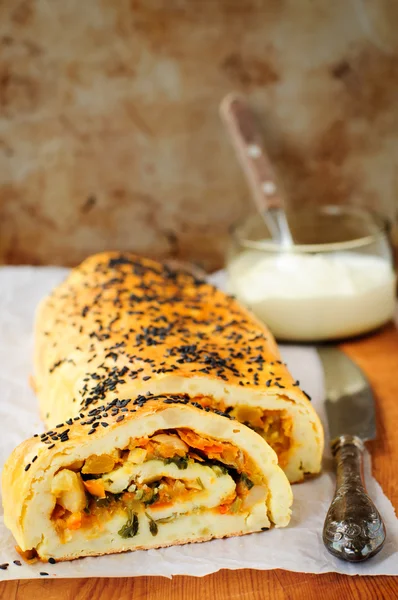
[{"x": 247, "y": 141}]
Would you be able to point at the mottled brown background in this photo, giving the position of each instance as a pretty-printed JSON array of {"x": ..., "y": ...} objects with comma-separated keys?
[{"x": 109, "y": 131}]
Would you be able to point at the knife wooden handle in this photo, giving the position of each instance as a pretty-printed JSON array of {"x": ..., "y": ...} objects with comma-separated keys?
[{"x": 354, "y": 529}]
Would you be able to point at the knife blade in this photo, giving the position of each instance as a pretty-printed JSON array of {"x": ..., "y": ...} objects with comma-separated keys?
[
  {"x": 353, "y": 529},
  {"x": 350, "y": 406}
]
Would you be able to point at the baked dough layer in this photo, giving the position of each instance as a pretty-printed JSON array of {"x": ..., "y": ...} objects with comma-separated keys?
[
  {"x": 220, "y": 477},
  {"x": 121, "y": 325}
]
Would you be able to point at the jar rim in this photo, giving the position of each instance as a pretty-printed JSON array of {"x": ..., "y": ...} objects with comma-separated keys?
[{"x": 381, "y": 231}]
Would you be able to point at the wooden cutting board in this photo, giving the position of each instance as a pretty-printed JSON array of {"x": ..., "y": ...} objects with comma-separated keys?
[{"x": 377, "y": 355}]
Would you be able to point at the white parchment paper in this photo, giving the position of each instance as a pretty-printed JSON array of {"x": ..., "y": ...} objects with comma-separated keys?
[{"x": 298, "y": 547}]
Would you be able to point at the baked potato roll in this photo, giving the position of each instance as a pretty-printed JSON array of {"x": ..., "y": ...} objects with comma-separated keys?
[
  {"x": 122, "y": 325},
  {"x": 145, "y": 472}
]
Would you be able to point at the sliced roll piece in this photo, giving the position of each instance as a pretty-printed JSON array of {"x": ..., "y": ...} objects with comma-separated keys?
[
  {"x": 142, "y": 473},
  {"x": 121, "y": 325}
]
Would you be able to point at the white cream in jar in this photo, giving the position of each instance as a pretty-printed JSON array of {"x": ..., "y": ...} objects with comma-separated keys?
[{"x": 310, "y": 297}]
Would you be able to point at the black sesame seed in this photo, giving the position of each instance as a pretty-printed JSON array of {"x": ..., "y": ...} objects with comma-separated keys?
[
  {"x": 52, "y": 561},
  {"x": 104, "y": 424},
  {"x": 51, "y": 446},
  {"x": 146, "y": 377},
  {"x": 122, "y": 403},
  {"x": 43, "y": 574},
  {"x": 27, "y": 467},
  {"x": 120, "y": 418},
  {"x": 197, "y": 405},
  {"x": 17, "y": 562},
  {"x": 34, "y": 459},
  {"x": 91, "y": 431},
  {"x": 4, "y": 566}
]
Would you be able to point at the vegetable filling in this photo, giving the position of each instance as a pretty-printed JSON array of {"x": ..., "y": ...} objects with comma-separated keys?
[
  {"x": 275, "y": 426},
  {"x": 157, "y": 479}
]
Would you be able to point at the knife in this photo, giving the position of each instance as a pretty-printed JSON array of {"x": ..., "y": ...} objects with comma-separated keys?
[{"x": 353, "y": 529}]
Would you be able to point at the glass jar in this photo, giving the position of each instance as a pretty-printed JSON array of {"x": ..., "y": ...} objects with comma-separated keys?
[{"x": 336, "y": 281}]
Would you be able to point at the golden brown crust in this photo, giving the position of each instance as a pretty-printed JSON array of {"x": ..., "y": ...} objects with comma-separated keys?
[
  {"x": 121, "y": 319},
  {"x": 36, "y": 453},
  {"x": 123, "y": 347},
  {"x": 27, "y": 475},
  {"x": 33, "y": 456}
]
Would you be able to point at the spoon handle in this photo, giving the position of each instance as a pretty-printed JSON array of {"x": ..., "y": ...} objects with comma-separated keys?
[{"x": 247, "y": 141}]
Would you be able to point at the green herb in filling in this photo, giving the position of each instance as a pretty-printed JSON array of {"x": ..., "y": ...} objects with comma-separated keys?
[
  {"x": 218, "y": 468},
  {"x": 103, "y": 501},
  {"x": 108, "y": 499},
  {"x": 180, "y": 461},
  {"x": 88, "y": 500},
  {"x": 153, "y": 528},
  {"x": 248, "y": 482},
  {"x": 154, "y": 498},
  {"x": 130, "y": 529},
  {"x": 235, "y": 506},
  {"x": 169, "y": 519}
]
